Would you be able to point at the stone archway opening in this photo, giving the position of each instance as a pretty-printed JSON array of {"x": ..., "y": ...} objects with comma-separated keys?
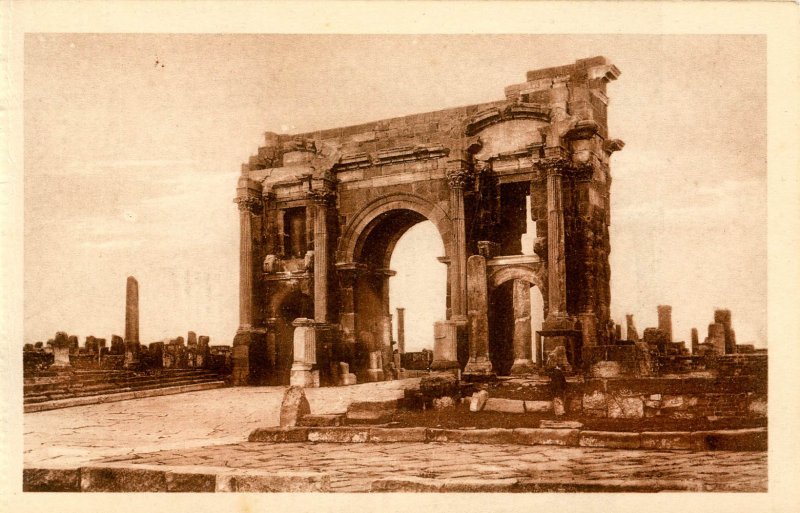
[
  {"x": 418, "y": 288},
  {"x": 516, "y": 313},
  {"x": 399, "y": 248}
]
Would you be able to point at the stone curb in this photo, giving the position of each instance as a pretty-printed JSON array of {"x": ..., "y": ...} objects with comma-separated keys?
[
  {"x": 162, "y": 478},
  {"x": 121, "y": 396},
  {"x": 514, "y": 485},
  {"x": 721, "y": 440}
]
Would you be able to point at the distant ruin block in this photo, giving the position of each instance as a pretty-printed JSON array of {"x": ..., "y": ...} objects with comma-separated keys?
[
  {"x": 61, "y": 347},
  {"x": 723, "y": 316},
  {"x": 38, "y": 345},
  {"x": 716, "y": 337},
  {"x": 191, "y": 338},
  {"x": 665, "y": 320},
  {"x": 656, "y": 339},
  {"x": 74, "y": 344},
  {"x": 695, "y": 341},
  {"x": 631, "y": 334},
  {"x": 117, "y": 345},
  {"x": 91, "y": 345}
]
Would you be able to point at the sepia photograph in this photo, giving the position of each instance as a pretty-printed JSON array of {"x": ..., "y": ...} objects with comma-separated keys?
[{"x": 400, "y": 263}]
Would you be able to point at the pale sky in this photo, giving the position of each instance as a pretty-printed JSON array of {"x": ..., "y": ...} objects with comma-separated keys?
[{"x": 131, "y": 166}]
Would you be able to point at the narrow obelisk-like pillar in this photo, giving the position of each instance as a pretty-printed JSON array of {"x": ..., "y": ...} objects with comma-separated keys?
[
  {"x": 132, "y": 311},
  {"x": 131, "y": 322},
  {"x": 401, "y": 330},
  {"x": 523, "y": 363}
]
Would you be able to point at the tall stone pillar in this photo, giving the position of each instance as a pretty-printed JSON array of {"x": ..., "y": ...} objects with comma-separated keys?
[
  {"x": 665, "y": 320},
  {"x": 131, "y": 323},
  {"x": 522, "y": 328},
  {"x": 479, "y": 364},
  {"x": 401, "y": 330},
  {"x": 322, "y": 198},
  {"x": 458, "y": 176},
  {"x": 248, "y": 199},
  {"x": 695, "y": 342}
]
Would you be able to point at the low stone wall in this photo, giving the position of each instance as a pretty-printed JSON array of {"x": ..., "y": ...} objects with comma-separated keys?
[{"x": 679, "y": 398}]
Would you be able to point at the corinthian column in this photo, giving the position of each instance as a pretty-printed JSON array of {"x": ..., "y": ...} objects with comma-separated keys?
[
  {"x": 458, "y": 176},
  {"x": 556, "y": 259},
  {"x": 321, "y": 198},
  {"x": 248, "y": 198},
  {"x": 248, "y": 206}
]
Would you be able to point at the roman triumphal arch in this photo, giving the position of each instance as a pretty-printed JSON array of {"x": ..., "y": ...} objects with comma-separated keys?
[{"x": 321, "y": 212}]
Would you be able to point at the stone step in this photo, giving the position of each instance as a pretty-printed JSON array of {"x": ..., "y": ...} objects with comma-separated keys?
[
  {"x": 124, "y": 380},
  {"x": 117, "y": 389}
]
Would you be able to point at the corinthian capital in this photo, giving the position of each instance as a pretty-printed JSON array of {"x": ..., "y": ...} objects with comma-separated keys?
[
  {"x": 249, "y": 204},
  {"x": 322, "y": 196},
  {"x": 553, "y": 165}
]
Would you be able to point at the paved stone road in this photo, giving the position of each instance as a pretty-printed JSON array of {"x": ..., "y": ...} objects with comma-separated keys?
[
  {"x": 354, "y": 466},
  {"x": 222, "y": 416}
]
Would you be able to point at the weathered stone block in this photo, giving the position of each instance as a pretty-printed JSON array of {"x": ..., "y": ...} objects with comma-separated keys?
[
  {"x": 51, "y": 480},
  {"x": 670, "y": 440},
  {"x": 560, "y": 424},
  {"x": 338, "y": 434},
  {"x": 478, "y": 400},
  {"x": 371, "y": 410},
  {"x": 546, "y": 436},
  {"x": 614, "y": 440},
  {"x": 504, "y": 405},
  {"x": 733, "y": 440},
  {"x": 293, "y": 407},
  {"x": 273, "y": 434},
  {"x": 472, "y": 436},
  {"x": 122, "y": 479},
  {"x": 320, "y": 420},
  {"x": 442, "y": 403},
  {"x": 594, "y": 401},
  {"x": 625, "y": 408},
  {"x": 538, "y": 406},
  {"x": 414, "y": 434},
  {"x": 182, "y": 481},
  {"x": 281, "y": 482},
  {"x": 406, "y": 484}
]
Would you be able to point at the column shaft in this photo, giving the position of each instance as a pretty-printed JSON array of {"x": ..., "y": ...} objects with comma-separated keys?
[{"x": 556, "y": 264}]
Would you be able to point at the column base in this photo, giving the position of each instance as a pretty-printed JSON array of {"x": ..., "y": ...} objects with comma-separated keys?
[
  {"x": 301, "y": 375},
  {"x": 374, "y": 375},
  {"x": 523, "y": 367},
  {"x": 241, "y": 358},
  {"x": 479, "y": 369}
]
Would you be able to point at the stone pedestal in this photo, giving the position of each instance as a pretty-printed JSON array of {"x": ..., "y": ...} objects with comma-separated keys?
[
  {"x": 523, "y": 364},
  {"x": 305, "y": 354},
  {"x": 375, "y": 370},
  {"x": 632, "y": 334},
  {"x": 445, "y": 337}
]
